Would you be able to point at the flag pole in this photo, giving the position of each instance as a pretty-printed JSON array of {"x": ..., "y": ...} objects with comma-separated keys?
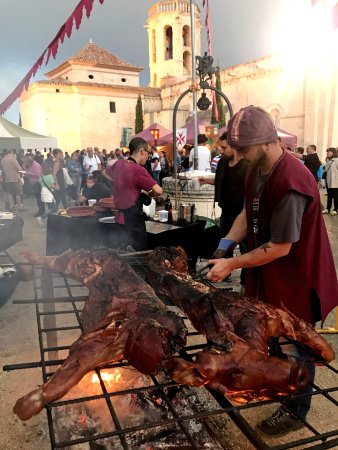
[{"x": 193, "y": 79}]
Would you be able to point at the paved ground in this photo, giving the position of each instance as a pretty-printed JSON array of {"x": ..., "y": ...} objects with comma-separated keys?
[{"x": 19, "y": 343}]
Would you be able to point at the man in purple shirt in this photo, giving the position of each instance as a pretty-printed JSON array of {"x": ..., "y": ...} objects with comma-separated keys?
[{"x": 132, "y": 186}]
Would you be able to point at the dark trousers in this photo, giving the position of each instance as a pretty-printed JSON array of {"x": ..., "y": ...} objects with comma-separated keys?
[
  {"x": 163, "y": 175},
  {"x": 36, "y": 189},
  {"x": 301, "y": 405},
  {"x": 134, "y": 230},
  {"x": 332, "y": 195},
  {"x": 61, "y": 195}
]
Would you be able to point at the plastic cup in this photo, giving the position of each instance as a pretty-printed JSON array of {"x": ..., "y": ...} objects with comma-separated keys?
[{"x": 91, "y": 202}]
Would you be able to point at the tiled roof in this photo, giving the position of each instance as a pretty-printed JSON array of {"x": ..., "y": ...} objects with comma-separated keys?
[
  {"x": 150, "y": 92},
  {"x": 92, "y": 54}
]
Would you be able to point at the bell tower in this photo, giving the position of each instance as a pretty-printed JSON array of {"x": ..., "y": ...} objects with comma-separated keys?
[{"x": 169, "y": 38}]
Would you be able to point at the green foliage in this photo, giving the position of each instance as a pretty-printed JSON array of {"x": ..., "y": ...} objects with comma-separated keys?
[
  {"x": 219, "y": 102},
  {"x": 138, "y": 116}
]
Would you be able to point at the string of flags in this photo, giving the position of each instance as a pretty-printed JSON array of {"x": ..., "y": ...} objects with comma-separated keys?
[{"x": 52, "y": 49}]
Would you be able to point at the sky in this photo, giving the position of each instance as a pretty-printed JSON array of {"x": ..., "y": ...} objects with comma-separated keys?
[{"x": 241, "y": 30}]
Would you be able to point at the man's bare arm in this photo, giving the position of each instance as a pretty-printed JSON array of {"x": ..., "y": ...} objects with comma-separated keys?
[{"x": 264, "y": 254}]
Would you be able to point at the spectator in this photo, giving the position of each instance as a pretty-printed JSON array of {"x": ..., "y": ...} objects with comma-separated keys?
[
  {"x": 331, "y": 181},
  {"x": 204, "y": 156},
  {"x": 311, "y": 160},
  {"x": 155, "y": 164},
  {"x": 75, "y": 171},
  {"x": 12, "y": 181},
  {"x": 164, "y": 163},
  {"x": 47, "y": 192},
  {"x": 118, "y": 153},
  {"x": 33, "y": 174},
  {"x": 91, "y": 161},
  {"x": 59, "y": 165},
  {"x": 94, "y": 190},
  {"x": 215, "y": 157},
  {"x": 111, "y": 158}
]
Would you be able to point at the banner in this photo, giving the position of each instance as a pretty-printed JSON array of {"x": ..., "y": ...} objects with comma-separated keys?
[
  {"x": 125, "y": 136},
  {"x": 181, "y": 138}
]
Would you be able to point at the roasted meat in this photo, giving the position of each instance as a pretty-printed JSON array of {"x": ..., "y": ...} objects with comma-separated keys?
[
  {"x": 135, "y": 326},
  {"x": 212, "y": 310},
  {"x": 238, "y": 331}
]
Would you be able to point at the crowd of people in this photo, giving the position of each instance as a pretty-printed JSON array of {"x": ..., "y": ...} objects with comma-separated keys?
[{"x": 59, "y": 179}]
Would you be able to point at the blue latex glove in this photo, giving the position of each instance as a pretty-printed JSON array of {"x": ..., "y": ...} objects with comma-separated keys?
[{"x": 225, "y": 248}]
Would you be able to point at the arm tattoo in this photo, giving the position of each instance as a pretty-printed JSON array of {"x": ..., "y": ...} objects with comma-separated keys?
[{"x": 265, "y": 247}]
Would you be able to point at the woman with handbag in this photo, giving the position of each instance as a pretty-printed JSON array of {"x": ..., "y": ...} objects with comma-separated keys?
[
  {"x": 331, "y": 180},
  {"x": 60, "y": 193}
]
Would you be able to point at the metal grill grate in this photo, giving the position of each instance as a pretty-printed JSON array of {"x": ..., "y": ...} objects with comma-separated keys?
[{"x": 58, "y": 303}]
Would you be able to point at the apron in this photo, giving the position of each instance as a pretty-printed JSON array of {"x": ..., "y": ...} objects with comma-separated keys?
[{"x": 135, "y": 226}]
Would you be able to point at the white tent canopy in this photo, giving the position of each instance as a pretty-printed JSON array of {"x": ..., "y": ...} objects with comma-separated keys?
[{"x": 14, "y": 137}]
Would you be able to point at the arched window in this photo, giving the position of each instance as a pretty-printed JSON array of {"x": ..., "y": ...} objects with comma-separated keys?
[
  {"x": 153, "y": 45},
  {"x": 154, "y": 80},
  {"x": 168, "y": 39},
  {"x": 186, "y": 36},
  {"x": 275, "y": 114},
  {"x": 186, "y": 63}
]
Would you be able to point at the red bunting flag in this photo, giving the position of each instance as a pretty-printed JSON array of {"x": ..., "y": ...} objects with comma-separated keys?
[
  {"x": 51, "y": 50},
  {"x": 78, "y": 12},
  {"x": 88, "y": 7}
]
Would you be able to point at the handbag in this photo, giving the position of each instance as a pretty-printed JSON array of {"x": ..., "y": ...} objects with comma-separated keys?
[{"x": 52, "y": 198}]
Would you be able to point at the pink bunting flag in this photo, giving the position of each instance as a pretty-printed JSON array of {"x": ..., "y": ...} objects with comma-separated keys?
[
  {"x": 88, "y": 7},
  {"x": 78, "y": 13},
  {"x": 51, "y": 50}
]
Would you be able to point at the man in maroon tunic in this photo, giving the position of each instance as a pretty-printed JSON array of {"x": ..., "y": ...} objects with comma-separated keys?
[
  {"x": 289, "y": 261},
  {"x": 132, "y": 185}
]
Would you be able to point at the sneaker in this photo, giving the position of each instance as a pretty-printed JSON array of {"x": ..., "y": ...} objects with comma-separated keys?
[
  {"x": 281, "y": 422},
  {"x": 325, "y": 211},
  {"x": 334, "y": 213},
  {"x": 37, "y": 214},
  {"x": 40, "y": 221}
]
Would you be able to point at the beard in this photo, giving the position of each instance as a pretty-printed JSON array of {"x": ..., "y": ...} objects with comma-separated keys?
[{"x": 260, "y": 157}]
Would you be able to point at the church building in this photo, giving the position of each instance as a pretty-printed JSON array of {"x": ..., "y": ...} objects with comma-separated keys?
[{"x": 90, "y": 99}]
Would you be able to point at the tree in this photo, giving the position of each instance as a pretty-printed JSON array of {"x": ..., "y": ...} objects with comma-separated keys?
[
  {"x": 138, "y": 116},
  {"x": 219, "y": 103}
]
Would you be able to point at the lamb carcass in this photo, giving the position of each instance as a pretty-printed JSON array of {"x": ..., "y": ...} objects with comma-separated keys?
[
  {"x": 136, "y": 325},
  {"x": 212, "y": 310},
  {"x": 238, "y": 331}
]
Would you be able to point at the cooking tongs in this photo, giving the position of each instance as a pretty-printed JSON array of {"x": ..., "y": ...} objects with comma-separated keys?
[{"x": 202, "y": 271}]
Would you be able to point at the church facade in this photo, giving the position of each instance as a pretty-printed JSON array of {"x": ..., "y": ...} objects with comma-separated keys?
[{"x": 90, "y": 99}]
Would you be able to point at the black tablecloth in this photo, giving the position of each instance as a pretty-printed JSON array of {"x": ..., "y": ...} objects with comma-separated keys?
[
  {"x": 87, "y": 232},
  {"x": 10, "y": 232}
]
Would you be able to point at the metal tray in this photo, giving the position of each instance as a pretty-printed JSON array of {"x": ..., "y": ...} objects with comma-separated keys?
[{"x": 110, "y": 219}]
